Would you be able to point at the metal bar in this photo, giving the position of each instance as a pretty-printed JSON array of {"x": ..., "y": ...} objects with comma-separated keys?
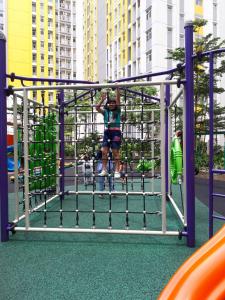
[
  {"x": 4, "y": 235},
  {"x": 218, "y": 195},
  {"x": 216, "y": 51},
  {"x": 94, "y": 86},
  {"x": 61, "y": 152},
  {"x": 122, "y": 110},
  {"x": 153, "y": 151},
  {"x": 36, "y": 102},
  {"x": 184, "y": 162},
  {"x": 167, "y": 149},
  {"x": 51, "y": 80},
  {"x": 218, "y": 217},
  {"x": 35, "y": 209},
  {"x": 179, "y": 213},
  {"x": 211, "y": 150},
  {"x": 95, "y": 230},
  {"x": 15, "y": 142},
  {"x": 218, "y": 171},
  {"x": 113, "y": 193},
  {"x": 176, "y": 98},
  {"x": 189, "y": 135},
  {"x": 163, "y": 157},
  {"x": 26, "y": 158},
  {"x": 147, "y": 75}
]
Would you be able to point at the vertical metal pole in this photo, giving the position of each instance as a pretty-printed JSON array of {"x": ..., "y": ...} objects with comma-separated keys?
[
  {"x": 15, "y": 142},
  {"x": 26, "y": 157},
  {"x": 167, "y": 136},
  {"x": 61, "y": 148},
  {"x": 211, "y": 150},
  {"x": 189, "y": 135},
  {"x": 184, "y": 161},
  {"x": 163, "y": 157},
  {"x": 153, "y": 150},
  {"x": 4, "y": 235}
]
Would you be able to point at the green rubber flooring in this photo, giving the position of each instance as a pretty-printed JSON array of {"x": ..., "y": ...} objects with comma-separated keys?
[{"x": 96, "y": 266}]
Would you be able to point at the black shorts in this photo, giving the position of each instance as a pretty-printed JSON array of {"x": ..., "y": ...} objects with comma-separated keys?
[{"x": 112, "y": 139}]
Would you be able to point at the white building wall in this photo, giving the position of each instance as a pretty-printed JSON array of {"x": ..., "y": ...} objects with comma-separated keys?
[{"x": 79, "y": 40}]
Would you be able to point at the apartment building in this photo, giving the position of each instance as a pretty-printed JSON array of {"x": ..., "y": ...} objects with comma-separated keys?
[
  {"x": 42, "y": 39},
  {"x": 140, "y": 33}
]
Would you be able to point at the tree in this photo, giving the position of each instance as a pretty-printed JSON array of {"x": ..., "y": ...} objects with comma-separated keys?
[{"x": 201, "y": 85}]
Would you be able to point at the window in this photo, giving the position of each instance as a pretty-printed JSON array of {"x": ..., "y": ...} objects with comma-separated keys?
[
  {"x": 42, "y": 69},
  {"x": 34, "y": 32},
  {"x": 34, "y": 70},
  {"x": 34, "y": 45},
  {"x": 149, "y": 13},
  {"x": 149, "y": 34},
  {"x": 33, "y": 19},
  {"x": 149, "y": 56},
  {"x": 34, "y": 57}
]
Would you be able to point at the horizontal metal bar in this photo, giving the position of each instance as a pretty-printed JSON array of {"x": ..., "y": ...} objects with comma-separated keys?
[
  {"x": 218, "y": 195},
  {"x": 218, "y": 217},
  {"x": 176, "y": 98},
  {"x": 101, "y": 212},
  {"x": 95, "y": 86},
  {"x": 113, "y": 193},
  {"x": 95, "y": 230},
  {"x": 148, "y": 75},
  {"x": 51, "y": 80},
  {"x": 218, "y": 171},
  {"x": 206, "y": 53},
  {"x": 181, "y": 217},
  {"x": 34, "y": 209},
  {"x": 122, "y": 111}
]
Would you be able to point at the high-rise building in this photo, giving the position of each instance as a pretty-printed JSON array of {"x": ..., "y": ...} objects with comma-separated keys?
[
  {"x": 140, "y": 32},
  {"x": 42, "y": 39}
]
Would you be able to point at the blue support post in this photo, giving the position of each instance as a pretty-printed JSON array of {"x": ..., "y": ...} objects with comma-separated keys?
[
  {"x": 189, "y": 167},
  {"x": 211, "y": 150},
  {"x": 167, "y": 137},
  {"x": 4, "y": 235}
]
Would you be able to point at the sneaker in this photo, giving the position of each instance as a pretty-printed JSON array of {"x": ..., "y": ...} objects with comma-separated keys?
[
  {"x": 103, "y": 173},
  {"x": 101, "y": 196},
  {"x": 117, "y": 175}
]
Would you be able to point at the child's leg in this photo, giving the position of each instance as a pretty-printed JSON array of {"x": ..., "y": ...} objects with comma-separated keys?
[
  {"x": 105, "y": 151},
  {"x": 116, "y": 155}
]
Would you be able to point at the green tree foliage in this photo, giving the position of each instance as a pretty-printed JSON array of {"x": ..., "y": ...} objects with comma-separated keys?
[{"x": 201, "y": 86}]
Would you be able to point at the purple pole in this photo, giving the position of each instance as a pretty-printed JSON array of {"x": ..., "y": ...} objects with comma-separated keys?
[
  {"x": 4, "y": 235},
  {"x": 189, "y": 135},
  {"x": 61, "y": 149},
  {"x": 167, "y": 135},
  {"x": 211, "y": 145}
]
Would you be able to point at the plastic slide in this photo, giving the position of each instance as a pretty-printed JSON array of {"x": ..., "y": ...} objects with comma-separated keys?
[{"x": 202, "y": 276}]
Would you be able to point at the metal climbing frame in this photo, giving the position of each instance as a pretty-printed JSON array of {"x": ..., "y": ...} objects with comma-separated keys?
[{"x": 188, "y": 230}]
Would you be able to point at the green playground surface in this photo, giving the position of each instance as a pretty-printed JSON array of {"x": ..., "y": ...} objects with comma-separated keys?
[{"x": 41, "y": 265}]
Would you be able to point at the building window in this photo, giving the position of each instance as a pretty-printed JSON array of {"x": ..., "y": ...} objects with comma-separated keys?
[
  {"x": 34, "y": 57},
  {"x": 149, "y": 13},
  {"x": 33, "y": 32},
  {"x": 34, "y": 45},
  {"x": 34, "y": 70},
  {"x": 149, "y": 34},
  {"x": 33, "y": 20},
  {"x": 42, "y": 69},
  {"x": 149, "y": 56}
]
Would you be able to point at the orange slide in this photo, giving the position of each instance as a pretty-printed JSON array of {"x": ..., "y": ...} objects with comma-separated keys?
[{"x": 202, "y": 276}]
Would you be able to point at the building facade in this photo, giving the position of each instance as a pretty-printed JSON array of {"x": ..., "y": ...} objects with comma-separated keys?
[{"x": 42, "y": 39}]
